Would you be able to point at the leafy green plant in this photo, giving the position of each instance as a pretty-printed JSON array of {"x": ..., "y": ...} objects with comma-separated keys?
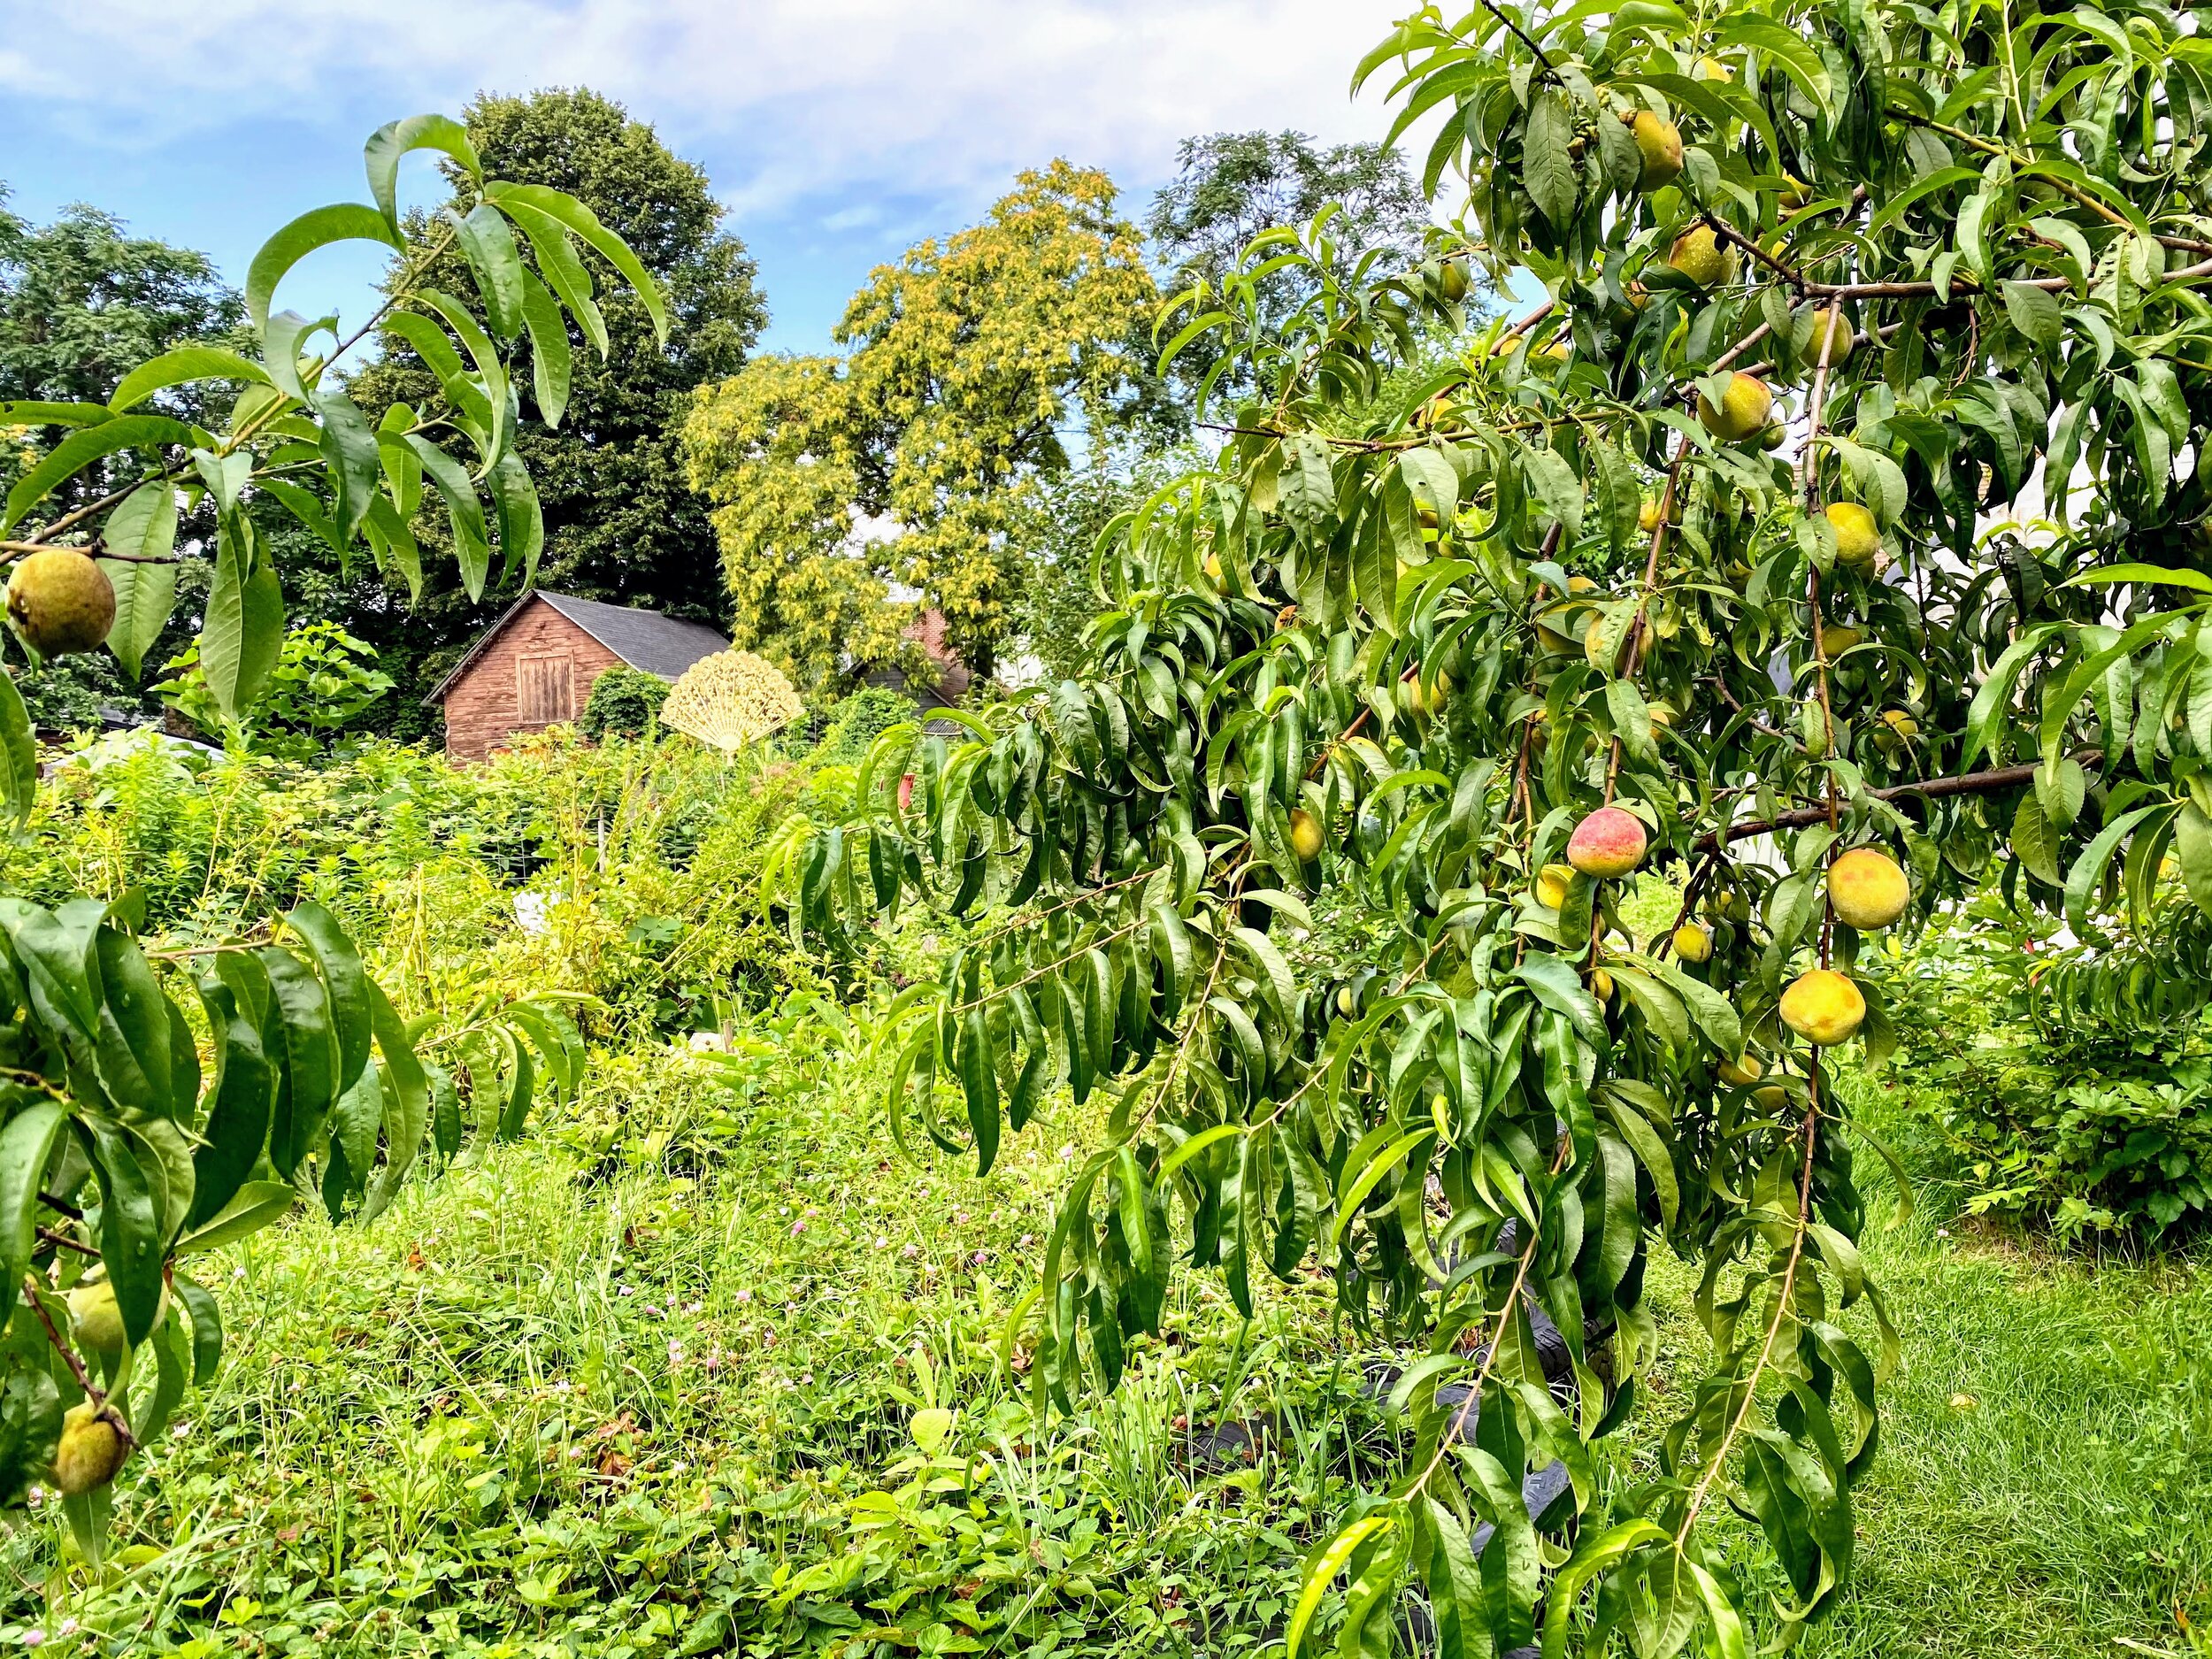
[
  {"x": 1469, "y": 666},
  {"x": 624, "y": 703},
  {"x": 2071, "y": 1084},
  {"x": 110, "y": 1124},
  {"x": 324, "y": 680},
  {"x": 855, "y": 723}
]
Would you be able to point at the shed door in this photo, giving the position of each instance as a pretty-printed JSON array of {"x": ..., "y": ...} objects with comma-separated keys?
[{"x": 545, "y": 689}]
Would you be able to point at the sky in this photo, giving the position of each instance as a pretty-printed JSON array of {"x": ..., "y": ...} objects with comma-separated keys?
[{"x": 837, "y": 132}]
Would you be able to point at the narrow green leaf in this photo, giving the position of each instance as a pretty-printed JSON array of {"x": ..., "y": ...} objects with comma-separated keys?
[
  {"x": 251, "y": 1207},
  {"x": 407, "y": 1105},
  {"x": 340, "y": 964},
  {"x": 144, "y": 526},
  {"x": 19, "y": 755},
  {"x": 309, "y": 1055},
  {"x": 394, "y": 139},
  {"x": 489, "y": 247},
  {"x": 464, "y": 509},
  {"x": 1321, "y": 1570},
  {"x": 567, "y": 211},
  {"x": 343, "y": 221},
  {"x": 521, "y": 520},
  {"x": 130, "y": 1226},
  {"x": 81, "y": 449},
  {"x": 183, "y": 367},
  {"x": 243, "y": 629},
  {"x": 551, "y": 357},
  {"x": 27, "y": 1147}
]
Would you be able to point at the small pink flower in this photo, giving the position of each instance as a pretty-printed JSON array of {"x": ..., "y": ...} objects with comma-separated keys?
[
  {"x": 745, "y": 1295},
  {"x": 797, "y": 1227}
]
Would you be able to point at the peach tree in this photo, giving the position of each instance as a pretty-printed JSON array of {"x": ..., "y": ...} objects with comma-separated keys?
[
  {"x": 1830, "y": 542},
  {"x": 134, "y": 1135}
]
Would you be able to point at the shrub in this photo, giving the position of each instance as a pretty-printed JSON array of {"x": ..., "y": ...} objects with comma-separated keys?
[
  {"x": 625, "y": 702},
  {"x": 2071, "y": 1085},
  {"x": 323, "y": 678},
  {"x": 858, "y": 721}
]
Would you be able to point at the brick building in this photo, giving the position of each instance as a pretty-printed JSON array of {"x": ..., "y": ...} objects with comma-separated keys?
[{"x": 535, "y": 666}]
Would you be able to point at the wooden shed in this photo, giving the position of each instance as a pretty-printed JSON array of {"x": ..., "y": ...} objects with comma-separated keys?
[{"x": 535, "y": 666}]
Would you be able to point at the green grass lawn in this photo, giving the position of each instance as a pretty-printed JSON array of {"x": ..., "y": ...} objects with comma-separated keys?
[{"x": 640, "y": 1385}]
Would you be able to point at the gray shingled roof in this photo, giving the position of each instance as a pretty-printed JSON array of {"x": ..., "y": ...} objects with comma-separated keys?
[{"x": 643, "y": 639}]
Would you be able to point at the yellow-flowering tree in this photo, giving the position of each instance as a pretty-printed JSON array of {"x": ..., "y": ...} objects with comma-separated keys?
[{"x": 968, "y": 358}]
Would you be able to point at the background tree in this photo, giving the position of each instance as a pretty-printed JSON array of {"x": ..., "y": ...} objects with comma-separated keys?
[
  {"x": 622, "y": 524},
  {"x": 82, "y": 303},
  {"x": 1230, "y": 186},
  {"x": 974, "y": 364}
]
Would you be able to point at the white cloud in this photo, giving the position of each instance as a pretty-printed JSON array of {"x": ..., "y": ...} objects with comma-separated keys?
[{"x": 786, "y": 99}]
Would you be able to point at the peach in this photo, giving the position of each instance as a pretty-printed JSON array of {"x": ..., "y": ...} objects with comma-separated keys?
[
  {"x": 1742, "y": 411},
  {"x": 1823, "y": 1007},
  {"x": 1693, "y": 943},
  {"x": 1741, "y": 1073},
  {"x": 1867, "y": 889},
  {"x": 1305, "y": 835},
  {"x": 1551, "y": 885},
  {"x": 1608, "y": 842},
  {"x": 1858, "y": 538}
]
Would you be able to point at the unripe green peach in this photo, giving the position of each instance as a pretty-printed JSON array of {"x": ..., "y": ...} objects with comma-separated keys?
[
  {"x": 61, "y": 602},
  {"x": 1551, "y": 885},
  {"x": 1741, "y": 1073},
  {"x": 1858, "y": 538},
  {"x": 94, "y": 1317},
  {"x": 1742, "y": 412},
  {"x": 1841, "y": 338},
  {"x": 1700, "y": 255}
]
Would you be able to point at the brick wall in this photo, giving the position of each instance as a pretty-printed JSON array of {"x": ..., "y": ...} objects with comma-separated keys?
[{"x": 482, "y": 707}]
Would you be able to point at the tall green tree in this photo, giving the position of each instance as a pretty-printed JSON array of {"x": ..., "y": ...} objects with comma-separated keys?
[
  {"x": 621, "y": 522},
  {"x": 82, "y": 303},
  {"x": 1229, "y": 188},
  {"x": 973, "y": 364}
]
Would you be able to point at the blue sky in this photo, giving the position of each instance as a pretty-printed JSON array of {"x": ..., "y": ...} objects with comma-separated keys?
[{"x": 838, "y": 132}]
